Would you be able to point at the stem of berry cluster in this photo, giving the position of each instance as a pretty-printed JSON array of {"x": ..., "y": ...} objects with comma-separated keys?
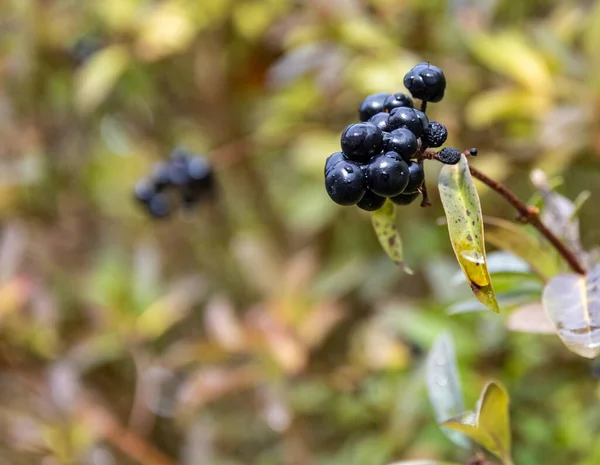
[{"x": 527, "y": 214}]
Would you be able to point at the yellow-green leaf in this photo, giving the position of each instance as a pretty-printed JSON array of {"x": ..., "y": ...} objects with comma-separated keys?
[
  {"x": 384, "y": 223},
  {"x": 465, "y": 226},
  {"x": 98, "y": 77},
  {"x": 490, "y": 425},
  {"x": 514, "y": 238},
  {"x": 572, "y": 302}
]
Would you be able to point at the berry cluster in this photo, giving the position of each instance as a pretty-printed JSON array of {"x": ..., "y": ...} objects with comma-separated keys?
[
  {"x": 382, "y": 156},
  {"x": 182, "y": 181}
]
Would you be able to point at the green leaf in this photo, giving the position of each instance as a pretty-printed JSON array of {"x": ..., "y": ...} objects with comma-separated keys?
[
  {"x": 465, "y": 226},
  {"x": 490, "y": 425},
  {"x": 384, "y": 223},
  {"x": 514, "y": 238},
  {"x": 572, "y": 302},
  {"x": 443, "y": 386}
]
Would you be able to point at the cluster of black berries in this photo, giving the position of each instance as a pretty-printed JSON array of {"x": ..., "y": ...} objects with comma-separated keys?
[
  {"x": 381, "y": 156},
  {"x": 182, "y": 181}
]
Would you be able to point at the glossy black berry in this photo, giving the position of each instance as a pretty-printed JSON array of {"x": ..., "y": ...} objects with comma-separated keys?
[
  {"x": 361, "y": 141},
  {"x": 426, "y": 82},
  {"x": 372, "y": 105},
  {"x": 397, "y": 100},
  {"x": 473, "y": 152},
  {"x": 387, "y": 174},
  {"x": 380, "y": 120},
  {"x": 333, "y": 160},
  {"x": 416, "y": 177},
  {"x": 435, "y": 135},
  {"x": 406, "y": 117},
  {"x": 371, "y": 201},
  {"x": 405, "y": 199},
  {"x": 159, "y": 206},
  {"x": 449, "y": 155},
  {"x": 345, "y": 183},
  {"x": 403, "y": 142},
  {"x": 144, "y": 190}
]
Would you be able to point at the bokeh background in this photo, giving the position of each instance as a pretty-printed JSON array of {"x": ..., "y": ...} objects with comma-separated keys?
[{"x": 266, "y": 326}]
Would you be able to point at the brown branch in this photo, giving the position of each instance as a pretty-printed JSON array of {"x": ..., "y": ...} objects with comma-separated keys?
[{"x": 530, "y": 215}]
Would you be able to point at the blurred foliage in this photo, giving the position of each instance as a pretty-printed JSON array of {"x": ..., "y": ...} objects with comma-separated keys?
[{"x": 269, "y": 327}]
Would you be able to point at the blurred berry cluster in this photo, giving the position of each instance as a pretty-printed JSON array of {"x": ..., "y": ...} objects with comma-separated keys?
[
  {"x": 180, "y": 182},
  {"x": 381, "y": 156}
]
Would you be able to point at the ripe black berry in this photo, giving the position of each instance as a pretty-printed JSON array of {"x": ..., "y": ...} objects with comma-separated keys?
[
  {"x": 426, "y": 82},
  {"x": 380, "y": 120},
  {"x": 161, "y": 174},
  {"x": 345, "y": 183},
  {"x": 200, "y": 174},
  {"x": 410, "y": 118},
  {"x": 387, "y": 174},
  {"x": 158, "y": 206},
  {"x": 435, "y": 135},
  {"x": 449, "y": 155},
  {"x": 372, "y": 105},
  {"x": 397, "y": 100},
  {"x": 405, "y": 199},
  {"x": 473, "y": 152},
  {"x": 416, "y": 177},
  {"x": 371, "y": 201},
  {"x": 333, "y": 160},
  {"x": 144, "y": 190},
  {"x": 403, "y": 142},
  {"x": 361, "y": 141}
]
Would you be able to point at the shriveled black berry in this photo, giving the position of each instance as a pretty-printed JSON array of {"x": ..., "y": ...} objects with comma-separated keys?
[
  {"x": 449, "y": 155},
  {"x": 380, "y": 120},
  {"x": 426, "y": 82},
  {"x": 473, "y": 152},
  {"x": 396, "y": 100},
  {"x": 144, "y": 190},
  {"x": 159, "y": 206},
  {"x": 372, "y": 105},
  {"x": 333, "y": 160},
  {"x": 345, "y": 183},
  {"x": 361, "y": 141},
  {"x": 161, "y": 174},
  {"x": 387, "y": 174},
  {"x": 435, "y": 135},
  {"x": 371, "y": 201},
  {"x": 405, "y": 199},
  {"x": 416, "y": 177},
  {"x": 403, "y": 142},
  {"x": 407, "y": 117}
]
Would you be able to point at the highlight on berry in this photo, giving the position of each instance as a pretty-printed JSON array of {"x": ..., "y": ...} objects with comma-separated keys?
[
  {"x": 178, "y": 183},
  {"x": 382, "y": 155}
]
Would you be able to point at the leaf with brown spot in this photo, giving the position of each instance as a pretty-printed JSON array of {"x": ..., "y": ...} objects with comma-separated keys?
[
  {"x": 465, "y": 227},
  {"x": 384, "y": 223}
]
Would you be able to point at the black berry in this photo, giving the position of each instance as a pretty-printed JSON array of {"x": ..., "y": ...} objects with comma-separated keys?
[
  {"x": 380, "y": 120},
  {"x": 371, "y": 201},
  {"x": 361, "y": 141},
  {"x": 410, "y": 118},
  {"x": 200, "y": 174},
  {"x": 144, "y": 190},
  {"x": 397, "y": 100},
  {"x": 473, "y": 152},
  {"x": 405, "y": 199},
  {"x": 416, "y": 177},
  {"x": 159, "y": 206},
  {"x": 387, "y": 174},
  {"x": 426, "y": 82},
  {"x": 403, "y": 142},
  {"x": 372, "y": 105},
  {"x": 435, "y": 135},
  {"x": 333, "y": 160},
  {"x": 161, "y": 174},
  {"x": 449, "y": 155},
  {"x": 345, "y": 183}
]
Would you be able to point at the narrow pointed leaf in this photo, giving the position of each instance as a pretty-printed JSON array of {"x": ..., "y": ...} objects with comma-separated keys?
[
  {"x": 465, "y": 226},
  {"x": 384, "y": 223},
  {"x": 572, "y": 302},
  {"x": 465, "y": 424},
  {"x": 443, "y": 386},
  {"x": 514, "y": 238}
]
